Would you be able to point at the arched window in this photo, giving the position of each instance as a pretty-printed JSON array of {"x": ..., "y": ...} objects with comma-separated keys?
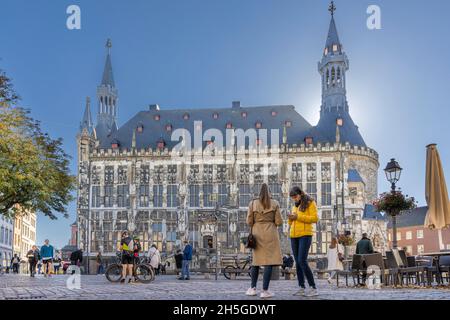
[
  {"x": 333, "y": 76},
  {"x": 244, "y": 114},
  {"x": 229, "y": 125},
  {"x": 339, "y": 75},
  {"x": 215, "y": 115},
  {"x": 186, "y": 116},
  {"x": 328, "y": 78},
  {"x": 258, "y": 125},
  {"x": 156, "y": 117},
  {"x": 168, "y": 127}
]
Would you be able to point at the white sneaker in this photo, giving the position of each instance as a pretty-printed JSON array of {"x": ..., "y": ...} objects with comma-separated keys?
[
  {"x": 300, "y": 292},
  {"x": 266, "y": 294},
  {"x": 312, "y": 293},
  {"x": 251, "y": 292}
]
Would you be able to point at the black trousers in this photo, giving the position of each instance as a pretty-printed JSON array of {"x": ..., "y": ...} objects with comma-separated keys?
[{"x": 33, "y": 267}]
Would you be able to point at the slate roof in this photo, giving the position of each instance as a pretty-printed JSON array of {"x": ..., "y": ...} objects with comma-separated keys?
[
  {"x": 410, "y": 219},
  {"x": 108, "y": 76},
  {"x": 86, "y": 122},
  {"x": 370, "y": 214},
  {"x": 354, "y": 176},
  {"x": 155, "y": 130},
  {"x": 325, "y": 131},
  {"x": 332, "y": 37}
]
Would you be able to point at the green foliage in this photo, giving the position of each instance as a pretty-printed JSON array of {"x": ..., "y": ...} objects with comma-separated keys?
[{"x": 34, "y": 169}]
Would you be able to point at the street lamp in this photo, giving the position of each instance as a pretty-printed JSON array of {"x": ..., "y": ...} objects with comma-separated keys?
[{"x": 393, "y": 172}]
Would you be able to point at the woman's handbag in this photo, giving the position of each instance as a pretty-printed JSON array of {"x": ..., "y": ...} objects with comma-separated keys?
[{"x": 251, "y": 241}]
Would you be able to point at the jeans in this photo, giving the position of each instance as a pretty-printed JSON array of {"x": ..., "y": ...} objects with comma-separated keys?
[
  {"x": 300, "y": 248},
  {"x": 185, "y": 269},
  {"x": 266, "y": 277}
]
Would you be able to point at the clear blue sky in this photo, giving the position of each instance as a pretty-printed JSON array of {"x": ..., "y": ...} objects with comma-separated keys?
[{"x": 203, "y": 53}]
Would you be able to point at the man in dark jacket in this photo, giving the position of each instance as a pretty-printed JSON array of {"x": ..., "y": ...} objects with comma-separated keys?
[
  {"x": 187, "y": 257},
  {"x": 364, "y": 246},
  {"x": 33, "y": 259},
  {"x": 76, "y": 258},
  {"x": 179, "y": 261},
  {"x": 15, "y": 263}
]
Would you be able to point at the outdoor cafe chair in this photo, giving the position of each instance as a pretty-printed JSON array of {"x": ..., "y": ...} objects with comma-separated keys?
[
  {"x": 376, "y": 259},
  {"x": 357, "y": 270},
  {"x": 401, "y": 270},
  {"x": 444, "y": 268}
]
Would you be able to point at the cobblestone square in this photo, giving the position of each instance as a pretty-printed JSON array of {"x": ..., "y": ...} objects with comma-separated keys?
[{"x": 14, "y": 287}]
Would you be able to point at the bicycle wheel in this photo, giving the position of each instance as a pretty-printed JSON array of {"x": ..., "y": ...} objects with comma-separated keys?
[
  {"x": 114, "y": 273},
  {"x": 144, "y": 273},
  {"x": 229, "y": 272}
]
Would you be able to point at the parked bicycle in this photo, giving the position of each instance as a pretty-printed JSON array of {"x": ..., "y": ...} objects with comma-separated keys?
[
  {"x": 142, "y": 271},
  {"x": 233, "y": 271}
]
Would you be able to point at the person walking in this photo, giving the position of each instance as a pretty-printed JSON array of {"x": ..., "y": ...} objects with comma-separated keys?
[
  {"x": 57, "y": 262},
  {"x": 33, "y": 259},
  {"x": 15, "y": 263},
  {"x": 155, "y": 258},
  {"x": 187, "y": 257},
  {"x": 301, "y": 219},
  {"x": 99, "y": 260},
  {"x": 178, "y": 261},
  {"x": 126, "y": 246},
  {"x": 47, "y": 254},
  {"x": 76, "y": 258},
  {"x": 335, "y": 257},
  {"x": 264, "y": 217}
]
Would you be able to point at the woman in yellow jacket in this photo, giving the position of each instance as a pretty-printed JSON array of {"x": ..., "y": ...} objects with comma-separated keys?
[{"x": 301, "y": 219}]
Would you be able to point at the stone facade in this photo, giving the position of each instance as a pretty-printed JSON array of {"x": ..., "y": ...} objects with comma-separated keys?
[{"x": 164, "y": 195}]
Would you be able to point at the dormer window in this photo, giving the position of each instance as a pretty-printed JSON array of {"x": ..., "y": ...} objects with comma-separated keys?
[
  {"x": 161, "y": 144},
  {"x": 140, "y": 128},
  {"x": 244, "y": 114},
  {"x": 339, "y": 122},
  {"x": 157, "y": 117},
  {"x": 186, "y": 116},
  {"x": 326, "y": 51},
  {"x": 309, "y": 141},
  {"x": 258, "y": 142},
  {"x": 274, "y": 113},
  {"x": 258, "y": 125},
  {"x": 288, "y": 124},
  {"x": 115, "y": 144},
  {"x": 215, "y": 115},
  {"x": 229, "y": 125},
  {"x": 168, "y": 127},
  {"x": 335, "y": 47}
]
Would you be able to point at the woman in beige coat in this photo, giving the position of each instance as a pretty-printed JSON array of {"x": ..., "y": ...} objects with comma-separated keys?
[{"x": 264, "y": 217}]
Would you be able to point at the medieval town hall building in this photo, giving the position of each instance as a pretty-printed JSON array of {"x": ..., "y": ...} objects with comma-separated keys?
[{"x": 136, "y": 177}]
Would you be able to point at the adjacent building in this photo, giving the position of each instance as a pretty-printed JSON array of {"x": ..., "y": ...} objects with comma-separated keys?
[
  {"x": 415, "y": 237},
  {"x": 147, "y": 177},
  {"x": 6, "y": 240},
  {"x": 24, "y": 235}
]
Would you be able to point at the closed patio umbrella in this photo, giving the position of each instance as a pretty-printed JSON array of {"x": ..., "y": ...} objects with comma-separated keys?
[{"x": 438, "y": 215}]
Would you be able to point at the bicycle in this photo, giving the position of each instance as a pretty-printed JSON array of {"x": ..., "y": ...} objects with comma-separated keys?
[
  {"x": 142, "y": 272},
  {"x": 232, "y": 270}
]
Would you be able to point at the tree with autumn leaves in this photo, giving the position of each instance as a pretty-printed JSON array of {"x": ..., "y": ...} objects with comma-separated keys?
[{"x": 34, "y": 169}]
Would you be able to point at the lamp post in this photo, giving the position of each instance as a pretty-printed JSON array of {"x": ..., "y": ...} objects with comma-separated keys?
[{"x": 393, "y": 172}]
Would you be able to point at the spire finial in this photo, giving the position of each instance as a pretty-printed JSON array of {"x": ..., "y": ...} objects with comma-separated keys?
[
  {"x": 332, "y": 8},
  {"x": 109, "y": 45}
]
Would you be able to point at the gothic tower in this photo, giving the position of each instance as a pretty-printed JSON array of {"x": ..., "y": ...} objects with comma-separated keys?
[
  {"x": 107, "y": 98},
  {"x": 334, "y": 109}
]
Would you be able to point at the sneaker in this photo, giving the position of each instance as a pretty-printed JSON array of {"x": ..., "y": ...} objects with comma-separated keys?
[
  {"x": 312, "y": 293},
  {"x": 187, "y": 278},
  {"x": 251, "y": 292},
  {"x": 181, "y": 278},
  {"x": 265, "y": 294},
  {"x": 300, "y": 292}
]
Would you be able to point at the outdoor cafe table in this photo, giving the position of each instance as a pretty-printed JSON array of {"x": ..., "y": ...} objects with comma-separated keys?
[{"x": 436, "y": 256}]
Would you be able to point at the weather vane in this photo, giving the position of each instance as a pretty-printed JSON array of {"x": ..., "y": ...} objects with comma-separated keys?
[{"x": 332, "y": 8}]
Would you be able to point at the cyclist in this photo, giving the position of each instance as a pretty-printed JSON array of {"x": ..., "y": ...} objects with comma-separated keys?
[
  {"x": 126, "y": 246},
  {"x": 136, "y": 250}
]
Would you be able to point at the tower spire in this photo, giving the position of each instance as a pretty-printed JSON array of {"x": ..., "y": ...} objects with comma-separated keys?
[
  {"x": 86, "y": 122},
  {"x": 107, "y": 97}
]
